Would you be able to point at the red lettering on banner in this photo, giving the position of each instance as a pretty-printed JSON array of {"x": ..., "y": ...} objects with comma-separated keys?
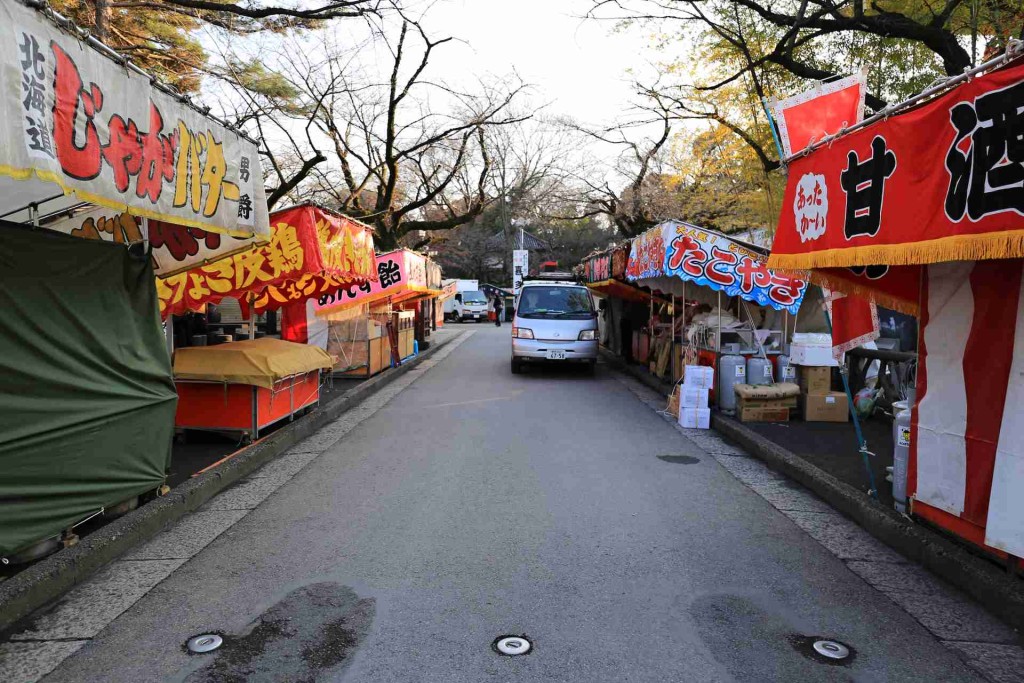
[
  {"x": 720, "y": 257},
  {"x": 680, "y": 246},
  {"x": 78, "y": 161},
  {"x": 785, "y": 289},
  {"x": 753, "y": 273},
  {"x": 146, "y": 156}
]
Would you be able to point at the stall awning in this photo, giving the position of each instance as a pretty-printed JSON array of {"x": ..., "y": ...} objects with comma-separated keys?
[
  {"x": 711, "y": 259},
  {"x": 618, "y": 289},
  {"x": 77, "y": 121},
  {"x": 312, "y": 253},
  {"x": 401, "y": 275},
  {"x": 605, "y": 265},
  {"x": 941, "y": 181},
  {"x": 260, "y": 362}
]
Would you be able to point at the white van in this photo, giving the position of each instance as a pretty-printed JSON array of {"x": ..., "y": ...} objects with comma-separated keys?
[{"x": 554, "y": 322}]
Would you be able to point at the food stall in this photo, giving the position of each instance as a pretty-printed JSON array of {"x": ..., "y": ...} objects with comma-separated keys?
[
  {"x": 371, "y": 327},
  {"x": 312, "y": 253},
  {"x": 96, "y": 148},
  {"x": 696, "y": 266},
  {"x": 246, "y": 386},
  {"x": 924, "y": 207},
  {"x": 625, "y": 307}
]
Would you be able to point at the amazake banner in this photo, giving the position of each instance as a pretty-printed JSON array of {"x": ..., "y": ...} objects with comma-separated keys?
[
  {"x": 74, "y": 121},
  {"x": 943, "y": 181}
]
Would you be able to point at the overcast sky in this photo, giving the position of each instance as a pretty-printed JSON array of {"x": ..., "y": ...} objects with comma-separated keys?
[{"x": 579, "y": 66}]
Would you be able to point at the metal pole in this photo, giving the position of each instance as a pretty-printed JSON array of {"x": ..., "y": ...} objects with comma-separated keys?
[
  {"x": 672, "y": 339},
  {"x": 718, "y": 336},
  {"x": 861, "y": 443},
  {"x": 252, "y": 317}
]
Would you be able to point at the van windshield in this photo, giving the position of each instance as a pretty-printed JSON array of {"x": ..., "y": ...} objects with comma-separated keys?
[
  {"x": 474, "y": 298},
  {"x": 556, "y": 302}
]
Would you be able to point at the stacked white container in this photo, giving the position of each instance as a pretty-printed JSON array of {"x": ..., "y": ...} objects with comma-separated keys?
[{"x": 694, "y": 412}]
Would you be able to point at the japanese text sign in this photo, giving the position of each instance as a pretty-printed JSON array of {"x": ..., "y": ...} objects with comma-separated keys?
[
  {"x": 311, "y": 253},
  {"x": 396, "y": 273},
  {"x": 712, "y": 260},
  {"x": 174, "y": 247},
  {"x": 646, "y": 255},
  {"x": 598, "y": 268},
  {"x": 82, "y": 123},
  {"x": 943, "y": 181}
]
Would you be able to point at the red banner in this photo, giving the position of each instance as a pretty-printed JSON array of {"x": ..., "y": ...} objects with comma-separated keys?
[
  {"x": 311, "y": 253},
  {"x": 895, "y": 287},
  {"x": 941, "y": 182},
  {"x": 823, "y": 110}
]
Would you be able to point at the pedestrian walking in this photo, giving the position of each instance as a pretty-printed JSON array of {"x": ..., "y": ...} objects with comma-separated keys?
[{"x": 499, "y": 306}]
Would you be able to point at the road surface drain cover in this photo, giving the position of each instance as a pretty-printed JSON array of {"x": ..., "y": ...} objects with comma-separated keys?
[
  {"x": 679, "y": 459},
  {"x": 207, "y": 642},
  {"x": 831, "y": 649},
  {"x": 824, "y": 650},
  {"x": 512, "y": 645}
]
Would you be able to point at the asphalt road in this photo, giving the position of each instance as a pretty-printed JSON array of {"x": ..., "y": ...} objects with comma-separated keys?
[{"x": 477, "y": 503}]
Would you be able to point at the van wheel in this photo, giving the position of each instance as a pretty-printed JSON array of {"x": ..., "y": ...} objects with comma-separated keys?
[
  {"x": 517, "y": 366},
  {"x": 591, "y": 367}
]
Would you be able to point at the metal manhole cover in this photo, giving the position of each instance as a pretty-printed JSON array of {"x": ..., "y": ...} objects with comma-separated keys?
[
  {"x": 831, "y": 649},
  {"x": 206, "y": 642},
  {"x": 512, "y": 645}
]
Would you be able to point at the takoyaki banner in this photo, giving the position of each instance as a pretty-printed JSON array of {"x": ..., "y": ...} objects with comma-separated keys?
[
  {"x": 943, "y": 181},
  {"x": 710, "y": 259},
  {"x": 74, "y": 121}
]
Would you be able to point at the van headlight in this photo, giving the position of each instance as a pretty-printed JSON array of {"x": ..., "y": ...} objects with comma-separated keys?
[
  {"x": 522, "y": 333},
  {"x": 587, "y": 335}
]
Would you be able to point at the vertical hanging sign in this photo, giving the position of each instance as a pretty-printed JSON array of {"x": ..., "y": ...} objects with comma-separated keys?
[{"x": 520, "y": 268}]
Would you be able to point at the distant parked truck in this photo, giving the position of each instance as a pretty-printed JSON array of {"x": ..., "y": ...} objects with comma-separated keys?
[{"x": 469, "y": 303}]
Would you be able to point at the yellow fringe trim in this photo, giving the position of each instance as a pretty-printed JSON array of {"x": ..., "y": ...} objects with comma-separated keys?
[
  {"x": 838, "y": 284},
  {"x": 1005, "y": 244},
  {"x": 100, "y": 200}
]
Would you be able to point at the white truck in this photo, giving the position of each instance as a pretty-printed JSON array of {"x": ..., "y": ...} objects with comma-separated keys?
[{"x": 469, "y": 303}]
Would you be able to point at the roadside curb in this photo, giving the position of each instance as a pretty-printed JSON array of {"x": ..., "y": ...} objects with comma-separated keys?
[
  {"x": 50, "y": 578},
  {"x": 997, "y": 591}
]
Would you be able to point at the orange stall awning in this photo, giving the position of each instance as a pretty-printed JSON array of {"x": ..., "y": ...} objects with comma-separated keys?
[{"x": 312, "y": 253}]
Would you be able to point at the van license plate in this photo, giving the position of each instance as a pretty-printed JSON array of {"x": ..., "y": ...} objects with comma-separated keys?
[{"x": 556, "y": 355}]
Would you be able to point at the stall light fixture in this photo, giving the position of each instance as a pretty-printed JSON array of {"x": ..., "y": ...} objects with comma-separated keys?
[{"x": 522, "y": 333}]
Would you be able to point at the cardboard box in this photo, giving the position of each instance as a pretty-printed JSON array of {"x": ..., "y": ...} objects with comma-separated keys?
[
  {"x": 762, "y": 414},
  {"x": 781, "y": 395},
  {"x": 703, "y": 418},
  {"x": 814, "y": 380},
  {"x": 693, "y": 397},
  {"x": 800, "y": 354},
  {"x": 831, "y": 406}
]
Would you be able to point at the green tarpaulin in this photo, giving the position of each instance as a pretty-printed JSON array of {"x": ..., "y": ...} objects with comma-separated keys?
[{"x": 86, "y": 396}]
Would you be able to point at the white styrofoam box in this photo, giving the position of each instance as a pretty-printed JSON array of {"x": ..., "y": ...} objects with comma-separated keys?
[
  {"x": 688, "y": 418},
  {"x": 817, "y": 356},
  {"x": 812, "y": 339},
  {"x": 703, "y": 418},
  {"x": 693, "y": 397},
  {"x": 699, "y": 376}
]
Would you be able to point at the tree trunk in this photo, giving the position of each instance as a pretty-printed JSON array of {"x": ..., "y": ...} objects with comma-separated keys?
[{"x": 102, "y": 12}]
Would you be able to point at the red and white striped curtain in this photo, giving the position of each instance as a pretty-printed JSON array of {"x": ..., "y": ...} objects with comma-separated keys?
[{"x": 968, "y": 445}]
